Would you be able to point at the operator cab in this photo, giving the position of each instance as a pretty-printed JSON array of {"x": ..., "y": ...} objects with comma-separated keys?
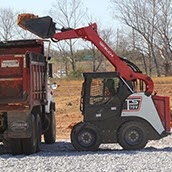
[{"x": 103, "y": 95}]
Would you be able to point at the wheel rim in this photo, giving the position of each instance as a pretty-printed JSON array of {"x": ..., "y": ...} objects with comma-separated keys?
[
  {"x": 86, "y": 138},
  {"x": 133, "y": 136}
]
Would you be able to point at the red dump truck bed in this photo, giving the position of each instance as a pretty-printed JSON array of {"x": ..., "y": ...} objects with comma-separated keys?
[{"x": 22, "y": 75}]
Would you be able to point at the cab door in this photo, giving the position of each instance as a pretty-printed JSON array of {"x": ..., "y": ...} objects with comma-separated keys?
[{"x": 102, "y": 98}]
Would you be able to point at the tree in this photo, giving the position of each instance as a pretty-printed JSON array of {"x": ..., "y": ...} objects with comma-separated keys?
[
  {"x": 20, "y": 33},
  {"x": 151, "y": 20},
  {"x": 9, "y": 28},
  {"x": 7, "y": 23},
  {"x": 164, "y": 35},
  {"x": 69, "y": 13}
]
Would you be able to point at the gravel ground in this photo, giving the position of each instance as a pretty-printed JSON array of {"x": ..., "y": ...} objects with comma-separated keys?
[{"x": 61, "y": 157}]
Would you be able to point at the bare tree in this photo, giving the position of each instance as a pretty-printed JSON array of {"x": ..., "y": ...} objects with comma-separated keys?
[
  {"x": 164, "y": 35},
  {"x": 9, "y": 28},
  {"x": 69, "y": 13},
  {"x": 7, "y": 23},
  {"x": 64, "y": 57},
  {"x": 145, "y": 17},
  {"x": 20, "y": 33}
]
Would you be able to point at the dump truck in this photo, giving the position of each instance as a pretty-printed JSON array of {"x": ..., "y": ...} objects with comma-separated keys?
[
  {"x": 117, "y": 107},
  {"x": 26, "y": 101}
]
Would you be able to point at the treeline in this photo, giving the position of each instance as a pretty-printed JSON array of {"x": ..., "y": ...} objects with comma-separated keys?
[
  {"x": 151, "y": 31},
  {"x": 144, "y": 36}
]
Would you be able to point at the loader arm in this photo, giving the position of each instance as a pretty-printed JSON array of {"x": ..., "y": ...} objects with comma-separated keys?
[
  {"x": 89, "y": 33},
  {"x": 45, "y": 28}
]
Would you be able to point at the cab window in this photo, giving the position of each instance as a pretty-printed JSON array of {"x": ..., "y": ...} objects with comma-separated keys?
[{"x": 102, "y": 89}]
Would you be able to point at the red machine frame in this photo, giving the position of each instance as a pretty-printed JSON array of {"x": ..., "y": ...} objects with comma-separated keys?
[{"x": 89, "y": 33}]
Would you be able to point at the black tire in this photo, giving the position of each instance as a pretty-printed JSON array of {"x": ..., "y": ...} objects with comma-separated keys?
[
  {"x": 132, "y": 135},
  {"x": 50, "y": 133},
  {"x": 15, "y": 146},
  {"x": 39, "y": 132},
  {"x": 85, "y": 137},
  {"x": 30, "y": 144}
]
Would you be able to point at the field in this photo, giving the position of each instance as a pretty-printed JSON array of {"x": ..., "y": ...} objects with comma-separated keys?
[
  {"x": 67, "y": 98},
  {"x": 62, "y": 157}
]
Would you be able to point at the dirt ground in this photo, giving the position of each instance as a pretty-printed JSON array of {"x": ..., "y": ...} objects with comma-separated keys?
[{"x": 67, "y": 98}]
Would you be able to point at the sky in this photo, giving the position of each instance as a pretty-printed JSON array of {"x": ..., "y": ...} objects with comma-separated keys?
[{"x": 100, "y": 10}]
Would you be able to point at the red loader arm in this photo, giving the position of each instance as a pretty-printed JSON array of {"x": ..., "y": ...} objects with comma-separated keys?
[
  {"x": 89, "y": 33},
  {"x": 45, "y": 28}
]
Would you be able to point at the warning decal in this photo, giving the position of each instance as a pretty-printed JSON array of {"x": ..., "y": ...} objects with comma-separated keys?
[{"x": 10, "y": 63}]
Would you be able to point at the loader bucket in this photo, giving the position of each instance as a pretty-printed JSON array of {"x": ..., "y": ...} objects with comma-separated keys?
[{"x": 43, "y": 27}]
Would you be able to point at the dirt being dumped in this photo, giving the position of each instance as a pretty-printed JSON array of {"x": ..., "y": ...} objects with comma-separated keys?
[{"x": 67, "y": 98}]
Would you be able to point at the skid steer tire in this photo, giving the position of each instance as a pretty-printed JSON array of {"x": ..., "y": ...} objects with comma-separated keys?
[
  {"x": 16, "y": 146},
  {"x": 30, "y": 144},
  {"x": 85, "y": 137},
  {"x": 50, "y": 133},
  {"x": 132, "y": 135}
]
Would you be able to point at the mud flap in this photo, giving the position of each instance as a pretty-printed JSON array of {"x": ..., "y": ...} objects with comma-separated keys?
[{"x": 19, "y": 125}]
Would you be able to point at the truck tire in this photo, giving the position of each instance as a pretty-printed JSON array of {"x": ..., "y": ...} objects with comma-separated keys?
[
  {"x": 30, "y": 144},
  {"x": 85, "y": 137},
  {"x": 16, "y": 146},
  {"x": 50, "y": 133},
  {"x": 132, "y": 135},
  {"x": 39, "y": 132}
]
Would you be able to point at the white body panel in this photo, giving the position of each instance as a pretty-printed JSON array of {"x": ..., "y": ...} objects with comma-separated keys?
[{"x": 146, "y": 111}]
